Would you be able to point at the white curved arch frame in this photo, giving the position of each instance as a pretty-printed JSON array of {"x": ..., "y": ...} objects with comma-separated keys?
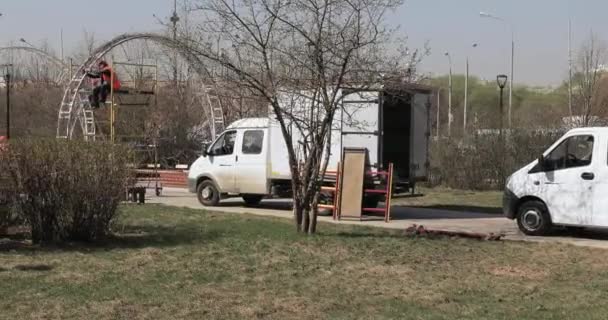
[
  {"x": 75, "y": 108},
  {"x": 43, "y": 54}
]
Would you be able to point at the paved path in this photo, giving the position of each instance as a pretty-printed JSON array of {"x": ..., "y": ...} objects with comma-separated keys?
[{"x": 403, "y": 217}]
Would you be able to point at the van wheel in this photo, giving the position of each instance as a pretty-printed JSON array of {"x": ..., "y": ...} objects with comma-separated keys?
[
  {"x": 533, "y": 218},
  {"x": 207, "y": 193},
  {"x": 252, "y": 199}
]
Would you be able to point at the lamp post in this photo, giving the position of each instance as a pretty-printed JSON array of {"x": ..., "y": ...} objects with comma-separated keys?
[
  {"x": 7, "y": 83},
  {"x": 7, "y": 79},
  {"x": 491, "y": 16},
  {"x": 466, "y": 95},
  {"x": 37, "y": 64},
  {"x": 501, "y": 80},
  {"x": 26, "y": 42},
  {"x": 174, "y": 20},
  {"x": 570, "y": 67},
  {"x": 447, "y": 54},
  {"x": 438, "y": 104}
]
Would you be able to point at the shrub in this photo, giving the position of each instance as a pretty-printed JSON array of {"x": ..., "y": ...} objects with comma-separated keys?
[
  {"x": 480, "y": 163},
  {"x": 7, "y": 218},
  {"x": 67, "y": 190}
]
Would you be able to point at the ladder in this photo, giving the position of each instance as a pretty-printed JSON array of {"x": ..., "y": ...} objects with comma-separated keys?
[
  {"x": 65, "y": 122},
  {"x": 88, "y": 117},
  {"x": 75, "y": 106},
  {"x": 216, "y": 123}
]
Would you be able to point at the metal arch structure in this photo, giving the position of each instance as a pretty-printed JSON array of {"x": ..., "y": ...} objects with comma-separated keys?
[
  {"x": 75, "y": 107},
  {"x": 43, "y": 54}
]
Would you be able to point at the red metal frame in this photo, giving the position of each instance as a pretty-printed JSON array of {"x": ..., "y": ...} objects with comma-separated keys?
[
  {"x": 386, "y": 211},
  {"x": 335, "y": 207},
  {"x": 387, "y": 191}
]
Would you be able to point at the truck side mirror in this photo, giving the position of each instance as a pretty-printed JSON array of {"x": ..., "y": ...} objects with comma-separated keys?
[
  {"x": 205, "y": 147},
  {"x": 541, "y": 162}
]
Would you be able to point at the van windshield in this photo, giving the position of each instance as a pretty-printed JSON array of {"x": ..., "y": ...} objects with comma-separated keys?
[{"x": 575, "y": 151}]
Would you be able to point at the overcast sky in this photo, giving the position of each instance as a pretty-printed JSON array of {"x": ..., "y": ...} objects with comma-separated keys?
[{"x": 540, "y": 26}]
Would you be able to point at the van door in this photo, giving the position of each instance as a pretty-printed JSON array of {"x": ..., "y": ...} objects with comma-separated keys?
[
  {"x": 252, "y": 162},
  {"x": 223, "y": 159},
  {"x": 567, "y": 178},
  {"x": 600, "y": 191}
]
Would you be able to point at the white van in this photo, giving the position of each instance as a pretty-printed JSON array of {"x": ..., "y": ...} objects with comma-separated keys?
[
  {"x": 249, "y": 159},
  {"x": 566, "y": 186}
]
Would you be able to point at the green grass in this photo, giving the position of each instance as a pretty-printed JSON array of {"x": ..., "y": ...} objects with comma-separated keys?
[
  {"x": 458, "y": 200},
  {"x": 172, "y": 263}
]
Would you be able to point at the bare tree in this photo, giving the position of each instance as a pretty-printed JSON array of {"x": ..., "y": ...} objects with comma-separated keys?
[
  {"x": 86, "y": 47},
  {"x": 590, "y": 69},
  {"x": 298, "y": 56}
]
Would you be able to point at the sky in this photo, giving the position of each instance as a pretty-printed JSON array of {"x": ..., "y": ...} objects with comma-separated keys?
[{"x": 540, "y": 30}]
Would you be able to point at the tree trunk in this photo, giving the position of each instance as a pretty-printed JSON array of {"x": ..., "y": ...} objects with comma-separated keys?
[
  {"x": 297, "y": 213},
  {"x": 313, "y": 223},
  {"x": 306, "y": 222}
]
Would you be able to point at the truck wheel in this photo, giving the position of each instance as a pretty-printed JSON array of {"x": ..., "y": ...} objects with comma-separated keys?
[
  {"x": 252, "y": 199},
  {"x": 207, "y": 193},
  {"x": 533, "y": 218}
]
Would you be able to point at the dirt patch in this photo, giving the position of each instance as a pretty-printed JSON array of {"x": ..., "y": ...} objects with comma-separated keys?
[
  {"x": 33, "y": 267},
  {"x": 518, "y": 272}
]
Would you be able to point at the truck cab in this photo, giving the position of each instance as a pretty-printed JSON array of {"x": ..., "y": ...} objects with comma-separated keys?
[
  {"x": 566, "y": 186},
  {"x": 235, "y": 164}
]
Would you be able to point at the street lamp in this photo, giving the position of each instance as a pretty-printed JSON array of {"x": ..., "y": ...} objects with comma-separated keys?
[
  {"x": 466, "y": 95},
  {"x": 7, "y": 83},
  {"x": 37, "y": 64},
  {"x": 438, "y": 104},
  {"x": 174, "y": 20},
  {"x": 447, "y": 54},
  {"x": 491, "y": 16},
  {"x": 25, "y": 41},
  {"x": 501, "y": 80}
]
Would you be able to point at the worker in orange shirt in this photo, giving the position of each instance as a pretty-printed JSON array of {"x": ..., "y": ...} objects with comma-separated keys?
[{"x": 109, "y": 81}]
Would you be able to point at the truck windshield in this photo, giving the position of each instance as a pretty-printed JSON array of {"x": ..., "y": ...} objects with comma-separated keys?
[
  {"x": 575, "y": 151},
  {"x": 224, "y": 144}
]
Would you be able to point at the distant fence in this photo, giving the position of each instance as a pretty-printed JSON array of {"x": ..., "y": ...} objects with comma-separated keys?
[
  {"x": 174, "y": 178},
  {"x": 168, "y": 178}
]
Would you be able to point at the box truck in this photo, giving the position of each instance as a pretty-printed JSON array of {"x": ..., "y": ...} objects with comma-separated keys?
[{"x": 250, "y": 160}]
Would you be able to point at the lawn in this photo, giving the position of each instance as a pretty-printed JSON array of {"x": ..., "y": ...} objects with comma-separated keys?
[
  {"x": 450, "y": 199},
  {"x": 173, "y": 263}
]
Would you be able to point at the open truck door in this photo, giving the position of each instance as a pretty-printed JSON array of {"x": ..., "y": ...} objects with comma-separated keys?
[
  {"x": 360, "y": 121},
  {"x": 419, "y": 156},
  {"x": 394, "y": 127},
  {"x": 405, "y": 136}
]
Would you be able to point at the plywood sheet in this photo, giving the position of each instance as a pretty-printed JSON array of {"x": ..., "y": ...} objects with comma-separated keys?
[{"x": 353, "y": 173}]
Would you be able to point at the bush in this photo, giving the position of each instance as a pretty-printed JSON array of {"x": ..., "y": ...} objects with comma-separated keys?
[
  {"x": 480, "y": 163},
  {"x": 7, "y": 218},
  {"x": 67, "y": 190}
]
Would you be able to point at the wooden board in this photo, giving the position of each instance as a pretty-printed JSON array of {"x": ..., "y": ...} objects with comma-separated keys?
[{"x": 353, "y": 174}]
